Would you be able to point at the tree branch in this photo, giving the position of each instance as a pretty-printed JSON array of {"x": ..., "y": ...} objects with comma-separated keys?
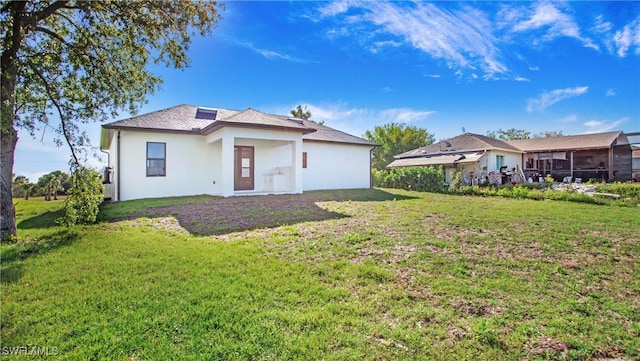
[
  {"x": 54, "y": 100},
  {"x": 53, "y": 34},
  {"x": 49, "y": 10}
]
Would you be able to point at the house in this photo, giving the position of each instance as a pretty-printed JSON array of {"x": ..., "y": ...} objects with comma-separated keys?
[
  {"x": 479, "y": 158},
  {"x": 190, "y": 150},
  {"x": 601, "y": 156},
  {"x": 634, "y": 140}
]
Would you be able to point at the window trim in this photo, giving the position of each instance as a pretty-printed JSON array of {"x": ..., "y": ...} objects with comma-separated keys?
[{"x": 163, "y": 159}]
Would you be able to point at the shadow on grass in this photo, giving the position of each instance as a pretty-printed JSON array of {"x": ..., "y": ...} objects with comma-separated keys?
[
  {"x": 12, "y": 253},
  {"x": 44, "y": 220},
  {"x": 217, "y": 216}
]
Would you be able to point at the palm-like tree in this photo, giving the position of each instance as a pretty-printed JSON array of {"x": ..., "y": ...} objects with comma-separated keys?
[
  {"x": 50, "y": 183},
  {"x": 22, "y": 187},
  {"x": 298, "y": 112}
]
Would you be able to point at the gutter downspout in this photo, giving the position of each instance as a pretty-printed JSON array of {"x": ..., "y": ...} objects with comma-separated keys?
[{"x": 118, "y": 168}]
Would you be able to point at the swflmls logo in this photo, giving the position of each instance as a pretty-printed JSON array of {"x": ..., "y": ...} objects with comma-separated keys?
[{"x": 29, "y": 350}]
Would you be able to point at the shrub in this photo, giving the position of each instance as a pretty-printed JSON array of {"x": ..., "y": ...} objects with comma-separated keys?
[
  {"x": 424, "y": 179},
  {"x": 83, "y": 198},
  {"x": 625, "y": 190}
]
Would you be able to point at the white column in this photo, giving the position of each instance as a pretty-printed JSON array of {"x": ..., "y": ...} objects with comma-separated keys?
[
  {"x": 227, "y": 165},
  {"x": 297, "y": 166}
]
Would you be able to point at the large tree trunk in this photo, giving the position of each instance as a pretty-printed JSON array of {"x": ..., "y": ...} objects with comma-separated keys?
[
  {"x": 8, "y": 133},
  {"x": 7, "y": 210}
]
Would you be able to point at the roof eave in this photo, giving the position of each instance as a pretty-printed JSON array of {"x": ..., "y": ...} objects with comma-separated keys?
[
  {"x": 453, "y": 152},
  {"x": 340, "y": 141},
  {"x": 147, "y": 129},
  {"x": 221, "y": 124}
]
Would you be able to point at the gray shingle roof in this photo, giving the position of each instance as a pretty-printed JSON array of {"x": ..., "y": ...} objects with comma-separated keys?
[
  {"x": 254, "y": 118},
  {"x": 568, "y": 142},
  {"x": 466, "y": 142},
  {"x": 182, "y": 118},
  {"x": 326, "y": 134}
]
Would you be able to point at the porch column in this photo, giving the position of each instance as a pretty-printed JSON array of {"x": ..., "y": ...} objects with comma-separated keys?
[
  {"x": 297, "y": 166},
  {"x": 227, "y": 184},
  {"x": 611, "y": 176},
  {"x": 571, "y": 155}
]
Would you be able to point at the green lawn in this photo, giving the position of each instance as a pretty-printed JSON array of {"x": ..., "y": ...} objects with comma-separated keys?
[{"x": 344, "y": 275}]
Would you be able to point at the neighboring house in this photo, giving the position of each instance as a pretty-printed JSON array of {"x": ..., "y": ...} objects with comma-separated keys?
[
  {"x": 479, "y": 158},
  {"x": 634, "y": 140},
  {"x": 190, "y": 150},
  {"x": 604, "y": 156},
  {"x": 601, "y": 156}
]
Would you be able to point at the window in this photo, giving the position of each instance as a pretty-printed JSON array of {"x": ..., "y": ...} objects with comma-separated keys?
[
  {"x": 304, "y": 159},
  {"x": 156, "y": 159},
  {"x": 499, "y": 161}
]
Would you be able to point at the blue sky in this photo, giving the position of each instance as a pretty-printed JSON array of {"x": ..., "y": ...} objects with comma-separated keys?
[{"x": 572, "y": 67}]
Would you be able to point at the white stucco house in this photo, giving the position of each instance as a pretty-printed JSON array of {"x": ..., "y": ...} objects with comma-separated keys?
[
  {"x": 191, "y": 150},
  {"x": 478, "y": 158}
]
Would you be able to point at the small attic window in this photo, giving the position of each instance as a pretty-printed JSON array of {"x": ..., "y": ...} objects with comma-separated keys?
[{"x": 206, "y": 113}]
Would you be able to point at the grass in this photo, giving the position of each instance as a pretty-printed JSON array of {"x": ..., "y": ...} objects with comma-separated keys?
[{"x": 366, "y": 275}]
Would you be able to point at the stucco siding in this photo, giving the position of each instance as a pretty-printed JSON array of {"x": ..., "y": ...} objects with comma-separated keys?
[
  {"x": 336, "y": 166},
  {"x": 510, "y": 160},
  {"x": 192, "y": 166}
]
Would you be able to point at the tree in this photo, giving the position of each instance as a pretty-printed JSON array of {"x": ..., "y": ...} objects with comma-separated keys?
[
  {"x": 65, "y": 63},
  {"x": 548, "y": 134},
  {"x": 50, "y": 184},
  {"x": 395, "y": 138},
  {"x": 62, "y": 182},
  {"x": 21, "y": 187},
  {"x": 509, "y": 134},
  {"x": 83, "y": 198},
  {"x": 298, "y": 112}
]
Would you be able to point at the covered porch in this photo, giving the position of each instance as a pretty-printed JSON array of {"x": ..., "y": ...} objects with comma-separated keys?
[
  {"x": 257, "y": 161},
  {"x": 570, "y": 165}
]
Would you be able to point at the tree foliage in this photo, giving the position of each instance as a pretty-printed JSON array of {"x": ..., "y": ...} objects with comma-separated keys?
[
  {"x": 298, "y": 112},
  {"x": 83, "y": 198},
  {"x": 394, "y": 139},
  {"x": 22, "y": 187},
  {"x": 50, "y": 184},
  {"x": 65, "y": 63},
  {"x": 423, "y": 179},
  {"x": 509, "y": 134},
  {"x": 548, "y": 134}
]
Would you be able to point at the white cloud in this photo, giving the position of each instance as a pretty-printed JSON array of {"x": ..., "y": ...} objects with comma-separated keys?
[
  {"x": 599, "y": 126},
  {"x": 463, "y": 38},
  {"x": 520, "y": 78},
  {"x": 334, "y": 8},
  {"x": 381, "y": 44},
  {"x": 618, "y": 42},
  {"x": 404, "y": 115},
  {"x": 357, "y": 121},
  {"x": 569, "y": 118},
  {"x": 610, "y": 92},
  {"x": 548, "y": 16},
  {"x": 435, "y": 76},
  {"x": 547, "y": 99},
  {"x": 270, "y": 54},
  {"x": 627, "y": 38}
]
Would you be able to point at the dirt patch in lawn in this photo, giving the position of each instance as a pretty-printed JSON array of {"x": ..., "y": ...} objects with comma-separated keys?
[{"x": 220, "y": 216}]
